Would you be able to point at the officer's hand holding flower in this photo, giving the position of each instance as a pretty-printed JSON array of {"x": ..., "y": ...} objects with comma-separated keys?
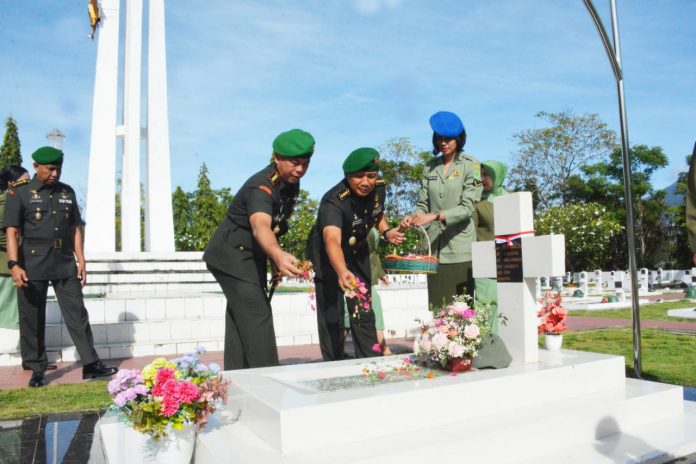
[
  {"x": 394, "y": 236},
  {"x": 285, "y": 264}
]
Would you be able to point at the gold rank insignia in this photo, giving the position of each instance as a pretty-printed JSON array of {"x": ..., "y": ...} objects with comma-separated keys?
[
  {"x": 17, "y": 183},
  {"x": 34, "y": 194},
  {"x": 344, "y": 194},
  {"x": 381, "y": 182},
  {"x": 64, "y": 194},
  {"x": 352, "y": 241},
  {"x": 274, "y": 178},
  {"x": 457, "y": 173},
  {"x": 477, "y": 183}
]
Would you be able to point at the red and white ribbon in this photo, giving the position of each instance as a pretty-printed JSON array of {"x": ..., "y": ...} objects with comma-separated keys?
[{"x": 509, "y": 238}]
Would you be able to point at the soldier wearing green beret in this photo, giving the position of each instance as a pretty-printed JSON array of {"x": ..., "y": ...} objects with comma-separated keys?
[
  {"x": 44, "y": 212},
  {"x": 450, "y": 188},
  {"x": 339, "y": 251},
  {"x": 238, "y": 252}
]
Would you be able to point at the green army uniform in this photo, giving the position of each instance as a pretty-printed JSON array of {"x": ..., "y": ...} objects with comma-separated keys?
[
  {"x": 239, "y": 265},
  {"x": 455, "y": 195},
  {"x": 238, "y": 262},
  {"x": 486, "y": 288},
  {"x": 47, "y": 216},
  {"x": 691, "y": 203},
  {"x": 9, "y": 315},
  {"x": 355, "y": 216}
]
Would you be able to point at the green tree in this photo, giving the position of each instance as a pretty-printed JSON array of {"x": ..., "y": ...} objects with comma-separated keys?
[
  {"x": 10, "y": 151},
  {"x": 590, "y": 231},
  {"x": 182, "y": 211},
  {"x": 676, "y": 230},
  {"x": 206, "y": 211},
  {"x": 299, "y": 225},
  {"x": 603, "y": 183},
  {"x": 401, "y": 166},
  {"x": 551, "y": 155}
]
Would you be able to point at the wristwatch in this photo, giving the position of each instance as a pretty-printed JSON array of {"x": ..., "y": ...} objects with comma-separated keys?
[
  {"x": 437, "y": 215},
  {"x": 11, "y": 263}
]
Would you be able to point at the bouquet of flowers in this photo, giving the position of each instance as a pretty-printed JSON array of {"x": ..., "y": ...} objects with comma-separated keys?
[
  {"x": 361, "y": 301},
  {"x": 552, "y": 314},
  {"x": 166, "y": 394},
  {"x": 455, "y": 332},
  {"x": 307, "y": 269}
]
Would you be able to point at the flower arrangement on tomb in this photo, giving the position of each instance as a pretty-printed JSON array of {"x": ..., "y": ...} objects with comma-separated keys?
[
  {"x": 454, "y": 335},
  {"x": 362, "y": 302},
  {"x": 552, "y": 315},
  {"x": 165, "y": 395}
]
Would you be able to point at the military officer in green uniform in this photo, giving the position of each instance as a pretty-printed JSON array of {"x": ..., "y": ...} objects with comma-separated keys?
[
  {"x": 44, "y": 212},
  {"x": 339, "y": 251},
  {"x": 238, "y": 252},
  {"x": 449, "y": 190}
]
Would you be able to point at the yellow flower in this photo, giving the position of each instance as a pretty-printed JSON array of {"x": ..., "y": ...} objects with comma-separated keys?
[{"x": 151, "y": 369}]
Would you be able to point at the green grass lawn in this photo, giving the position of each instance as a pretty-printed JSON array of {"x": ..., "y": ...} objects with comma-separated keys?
[
  {"x": 666, "y": 357},
  {"x": 648, "y": 312},
  {"x": 30, "y": 402}
]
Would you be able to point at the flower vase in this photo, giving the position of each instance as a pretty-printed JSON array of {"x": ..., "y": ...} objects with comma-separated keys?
[
  {"x": 552, "y": 342},
  {"x": 459, "y": 364},
  {"x": 174, "y": 448}
]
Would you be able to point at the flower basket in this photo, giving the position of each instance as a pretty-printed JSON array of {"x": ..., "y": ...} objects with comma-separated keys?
[
  {"x": 552, "y": 316},
  {"x": 453, "y": 337},
  {"x": 166, "y": 402},
  {"x": 461, "y": 364},
  {"x": 412, "y": 263}
]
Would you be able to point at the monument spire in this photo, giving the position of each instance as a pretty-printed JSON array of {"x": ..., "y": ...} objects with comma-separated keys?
[{"x": 101, "y": 208}]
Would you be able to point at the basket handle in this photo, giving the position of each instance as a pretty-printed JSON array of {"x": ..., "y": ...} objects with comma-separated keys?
[{"x": 427, "y": 239}]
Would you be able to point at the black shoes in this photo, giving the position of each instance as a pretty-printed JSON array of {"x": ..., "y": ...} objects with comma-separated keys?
[
  {"x": 49, "y": 367},
  {"x": 38, "y": 379},
  {"x": 97, "y": 369}
]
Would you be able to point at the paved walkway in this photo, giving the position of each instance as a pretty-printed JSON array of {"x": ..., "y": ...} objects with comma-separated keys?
[{"x": 588, "y": 323}]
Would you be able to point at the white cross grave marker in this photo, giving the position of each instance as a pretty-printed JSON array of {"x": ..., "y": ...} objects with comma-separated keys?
[{"x": 516, "y": 264}]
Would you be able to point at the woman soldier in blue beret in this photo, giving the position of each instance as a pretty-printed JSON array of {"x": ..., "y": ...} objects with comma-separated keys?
[
  {"x": 339, "y": 251},
  {"x": 450, "y": 188}
]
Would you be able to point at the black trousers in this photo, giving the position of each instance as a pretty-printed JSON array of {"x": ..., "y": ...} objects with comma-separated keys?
[
  {"x": 249, "y": 334},
  {"x": 32, "y": 320},
  {"x": 330, "y": 321}
]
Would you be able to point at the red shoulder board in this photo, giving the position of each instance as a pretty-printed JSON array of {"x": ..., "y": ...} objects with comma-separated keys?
[{"x": 266, "y": 189}]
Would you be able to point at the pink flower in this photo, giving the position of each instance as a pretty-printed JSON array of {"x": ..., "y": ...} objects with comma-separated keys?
[
  {"x": 169, "y": 407},
  {"x": 455, "y": 350},
  {"x": 363, "y": 290},
  {"x": 467, "y": 313},
  {"x": 471, "y": 331},
  {"x": 377, "y": 348},
  {"x": 439, "y": 341}
]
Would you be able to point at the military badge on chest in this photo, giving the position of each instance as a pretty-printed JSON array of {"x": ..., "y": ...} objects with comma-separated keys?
[{"x": 36, "y": 198}]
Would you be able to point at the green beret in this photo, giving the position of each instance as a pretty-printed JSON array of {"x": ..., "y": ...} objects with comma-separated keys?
[
  {"x": 47, "y": 155},
  {"x": 294, "y": 143},
  {"x": 362, "y": 159}
]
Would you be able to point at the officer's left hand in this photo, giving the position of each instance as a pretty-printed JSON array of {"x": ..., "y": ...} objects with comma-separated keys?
[
  {"x": 421, "y": 219},
  {"x": 345, "y": 279},
  {"x": 395, "y": 236},
  {"x": 82, "y": 273}
]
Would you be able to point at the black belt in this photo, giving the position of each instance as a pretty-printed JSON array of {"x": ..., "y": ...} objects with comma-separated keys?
[{"x": 52, "y": 242}]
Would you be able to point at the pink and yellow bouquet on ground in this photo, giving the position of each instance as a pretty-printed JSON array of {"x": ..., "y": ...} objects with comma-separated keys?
[
  {"x": 455, "y": 333},
  {"x": 165, "y": 395},
  {"x": 552, "y": 315}
]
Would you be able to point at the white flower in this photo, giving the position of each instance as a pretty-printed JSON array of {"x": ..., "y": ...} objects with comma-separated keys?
[
  {"x": 439, "y": 341},
  {"x": 471, "y": 331}
]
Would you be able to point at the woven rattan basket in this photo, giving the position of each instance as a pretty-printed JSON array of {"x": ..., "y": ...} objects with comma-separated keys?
[{"x": 412, "y": 264}]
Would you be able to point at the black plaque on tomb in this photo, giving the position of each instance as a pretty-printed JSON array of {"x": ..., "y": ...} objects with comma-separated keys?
[{"x": 508, "y": 257}]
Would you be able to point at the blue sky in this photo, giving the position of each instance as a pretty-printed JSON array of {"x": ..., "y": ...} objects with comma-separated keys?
[{"x": 356, "y": 73}]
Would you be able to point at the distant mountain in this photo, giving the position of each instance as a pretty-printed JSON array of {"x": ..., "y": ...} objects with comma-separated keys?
[{"x": 672, "y": 198}]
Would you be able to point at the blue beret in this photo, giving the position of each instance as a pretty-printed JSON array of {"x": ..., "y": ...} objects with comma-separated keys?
[{"x": 446, "y": 124}]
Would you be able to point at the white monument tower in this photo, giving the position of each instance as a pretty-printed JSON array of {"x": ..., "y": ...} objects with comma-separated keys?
[{"x": 149, "y": 138}]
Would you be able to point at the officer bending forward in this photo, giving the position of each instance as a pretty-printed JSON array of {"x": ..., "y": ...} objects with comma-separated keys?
[
  {"x": 248, "y": 235},
  {"x": 339, "y": 252}
]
